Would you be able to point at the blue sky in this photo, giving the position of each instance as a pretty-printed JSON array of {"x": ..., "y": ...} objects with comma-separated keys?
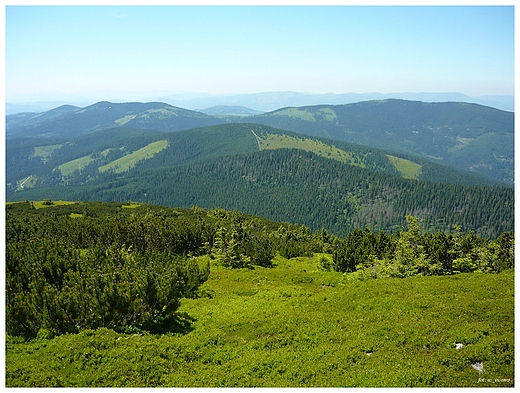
[{"x": 95, "y": 53}]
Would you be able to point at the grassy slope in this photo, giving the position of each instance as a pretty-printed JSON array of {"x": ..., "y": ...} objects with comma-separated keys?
[
  {"x": 281, "y": 141},
  {"x": 407, "y": 168},
  {"x": 294, "y": 325},
  {"x": 130, "y": 160}
]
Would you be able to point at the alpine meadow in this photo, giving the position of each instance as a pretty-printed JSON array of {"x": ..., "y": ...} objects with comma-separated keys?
[{"x": 368, "y": 244}]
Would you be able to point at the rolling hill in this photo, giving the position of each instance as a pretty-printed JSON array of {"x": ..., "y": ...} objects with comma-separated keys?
[
  {"x": 39, "y": 162},
  {"x": 280, "y": 175},
  {"x": 465, "y": 136},
  {"x": 69, "y": 121}
]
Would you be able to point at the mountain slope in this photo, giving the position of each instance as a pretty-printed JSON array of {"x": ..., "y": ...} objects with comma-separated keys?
[
  {"x": 304, "y": 188},
  {"x": 77, "y": 121},
  {"x": 104, "y": 155},
  {"x": 38, "y": 158},
  {"x": 466, "y": 136}
]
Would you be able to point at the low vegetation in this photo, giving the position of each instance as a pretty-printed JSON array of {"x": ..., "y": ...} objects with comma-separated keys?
[
  {"x": 133, "y": 295},
  {"x": 128, "y": 161},
  {"x": 284, "y": 141},
  {"x": 407, "y": 168}
]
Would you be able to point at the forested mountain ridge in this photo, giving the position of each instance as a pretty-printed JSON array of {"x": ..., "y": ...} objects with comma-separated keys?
[
  {"x": 305, "y": 188},
  {"x": 466, "y": 136},
  {"x": 68, "y": 121},
  {"x": 101, "y": 155}
]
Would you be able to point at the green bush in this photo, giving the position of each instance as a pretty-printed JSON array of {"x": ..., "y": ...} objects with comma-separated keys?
[
  {"x": 409, "y": 253},
  {"x": 52, "y": 289}
]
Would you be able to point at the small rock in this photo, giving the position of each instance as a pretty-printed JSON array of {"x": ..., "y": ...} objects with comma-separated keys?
[{"x": 479, "y": 366}]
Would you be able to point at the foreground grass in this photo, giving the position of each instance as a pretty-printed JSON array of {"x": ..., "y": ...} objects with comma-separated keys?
[{"x": 294, "y": 325}]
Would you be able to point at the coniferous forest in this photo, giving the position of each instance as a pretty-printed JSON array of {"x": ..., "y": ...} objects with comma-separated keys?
[{"x": 304, "y": 188}]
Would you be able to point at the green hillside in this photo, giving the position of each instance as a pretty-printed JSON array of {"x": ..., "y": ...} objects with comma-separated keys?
[
  {"x": 304, "y": 188},
  {"x": 128, "y": 295},
  {"x": 75, "y": 121},
  {"x": 466, "y": 136},
  {"x": 127, "y": 162},
  {"x": 54, "y": 162}
]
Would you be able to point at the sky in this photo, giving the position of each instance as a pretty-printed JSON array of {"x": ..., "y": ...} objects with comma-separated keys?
[{"x": 79, "y": 53}]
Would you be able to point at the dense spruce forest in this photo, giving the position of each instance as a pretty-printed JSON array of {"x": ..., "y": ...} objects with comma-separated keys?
[
  {"x": 126, "y": 266},
  {"x": 304, "y": 188}
]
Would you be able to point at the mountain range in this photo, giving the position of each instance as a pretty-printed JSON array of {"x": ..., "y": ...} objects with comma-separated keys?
[
  {"x": 270, "y": 101},
  {"x": 160, "y": 154},
  {"x": 469, "y": 137}
]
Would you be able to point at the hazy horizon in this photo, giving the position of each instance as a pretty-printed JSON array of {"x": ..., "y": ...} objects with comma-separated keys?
[
  {"x": 266, "y": 101},
  {"x": 147, "y": 95},
  {"x": 89, "y": 53}
]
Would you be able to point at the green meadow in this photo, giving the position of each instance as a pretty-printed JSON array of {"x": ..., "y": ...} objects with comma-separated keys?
[
  {"x": 280, "y": 141},
  {"x": 296, "y": 325},
  {"x": 45, "y": 152},
  {"x": 407, "y": 168},
  {"x": 296, "y": 113},
  {"x": 69, "y": 167},
  {"x": 130, "y": 160}
]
